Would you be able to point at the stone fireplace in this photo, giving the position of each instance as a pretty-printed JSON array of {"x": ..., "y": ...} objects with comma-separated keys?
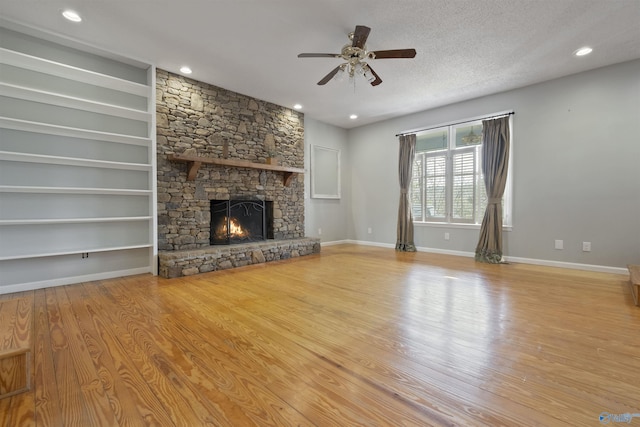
[{"x": 201, "y": 120}]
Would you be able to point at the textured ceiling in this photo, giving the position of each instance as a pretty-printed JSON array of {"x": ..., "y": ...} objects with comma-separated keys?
[{"x": 466, "y": 49}]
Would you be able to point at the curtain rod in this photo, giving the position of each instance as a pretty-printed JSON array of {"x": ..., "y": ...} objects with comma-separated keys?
[{"x": 510, "y": 113}]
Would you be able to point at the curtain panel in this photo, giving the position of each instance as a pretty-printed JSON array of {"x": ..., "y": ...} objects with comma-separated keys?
[
  {"x": 404, "y": 240},
  {"x": 495, "y": 164}
]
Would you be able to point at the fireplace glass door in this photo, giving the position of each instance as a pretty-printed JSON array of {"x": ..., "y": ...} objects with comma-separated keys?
[{"x": 237, "y": 221}]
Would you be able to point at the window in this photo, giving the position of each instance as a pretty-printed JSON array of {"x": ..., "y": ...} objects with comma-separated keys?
[{"x": 447, "y": 185}]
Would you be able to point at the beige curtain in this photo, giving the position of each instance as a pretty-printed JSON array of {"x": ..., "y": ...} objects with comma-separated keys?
[
  {"x": 495, "y": 163},
  {"x": 405, "y": 217}
]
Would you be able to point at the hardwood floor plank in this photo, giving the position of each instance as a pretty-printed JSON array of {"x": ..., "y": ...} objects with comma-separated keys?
[
  {"x": 113, "y": 367},
  {"x": 98, "y": 406},
  {"x": 249, "y": 344},
  {"x": 315, "y": 309},
  {"x": 359, "y": 325},
  {"x": 362, "y": 363},
  {"x": 47, "y": 401},
  {"x": 151, "y": 335},
  {"x": 181, "y": 406},
  {"x": 218, "y": 375},
  {"x": 297, "y": 334},
  {"x": 72, "y": 401},
  {"x": 22, "y": 405},
  {"x": 8, "y": 309},
  {"x": 352, "y": 336},
  {"x": 5, "y": 413},
  {"x": 8, "y": 316}
]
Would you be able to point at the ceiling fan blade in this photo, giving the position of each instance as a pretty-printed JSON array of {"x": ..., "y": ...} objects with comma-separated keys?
[
  {"x": 395, "y": 53},
  {"x": 377, "y": 79},
  {"x": 318, "y": 55},
  {"x": 329, "y": 76},
  {"x": 360, "y": 36}
]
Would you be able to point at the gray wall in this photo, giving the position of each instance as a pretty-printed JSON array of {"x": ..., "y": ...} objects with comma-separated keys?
[
  {"x": 576, "y": 157},
  {"x": 330, "y": 215}
]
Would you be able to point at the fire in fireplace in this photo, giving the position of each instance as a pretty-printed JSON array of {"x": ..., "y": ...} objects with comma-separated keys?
[{"x": 238, "y": 221}]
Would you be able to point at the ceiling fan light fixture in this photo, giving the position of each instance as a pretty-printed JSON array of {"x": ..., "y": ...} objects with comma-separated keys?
[
  {"x": 342, "y": 75},
  {"x": 355, "y": 54},
  {"x": 368, "y": 75},
  {"x": 472, "y": 137}
]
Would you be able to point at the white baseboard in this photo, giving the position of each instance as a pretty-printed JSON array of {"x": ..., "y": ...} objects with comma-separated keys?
[
  {"x": 446, "y": 252},
  {"x": 547, "y": 263},
  {"x": 335, "y": 242},
  {"x": 20, "y": 287},
  {"x": 376, "y": 244},
  {"x": 569, "y": 265}
]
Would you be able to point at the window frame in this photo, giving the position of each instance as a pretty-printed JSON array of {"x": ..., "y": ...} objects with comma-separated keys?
[{"x": 448, "y": 220}]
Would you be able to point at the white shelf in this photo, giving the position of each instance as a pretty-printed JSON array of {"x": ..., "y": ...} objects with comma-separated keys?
[
  {"x": 28, "y": 62},
  {"x": 73, "y": 220},
  {"x": 71, "y": 161},
  {"x": 45, "y": 128},
  {"x": 73, "y": 190},
  {"x": 76, "y": 252},
  {"x": 50, "y": 98}
]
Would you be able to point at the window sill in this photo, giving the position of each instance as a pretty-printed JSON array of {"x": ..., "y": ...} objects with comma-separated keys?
[{"x": 456, "y": 225}]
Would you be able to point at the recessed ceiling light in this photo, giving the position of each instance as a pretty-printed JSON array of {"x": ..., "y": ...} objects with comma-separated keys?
[
  {"x": 185, "y": 70},
  {"x": 297, "y": 106},
  {"x": 353, "y": 116},
  {"x": 583, "y": 51},
  {"x": 71, "y": 15}
]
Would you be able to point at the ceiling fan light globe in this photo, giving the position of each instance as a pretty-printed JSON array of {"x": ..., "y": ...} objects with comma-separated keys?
[{"x": 369, "y": 77}]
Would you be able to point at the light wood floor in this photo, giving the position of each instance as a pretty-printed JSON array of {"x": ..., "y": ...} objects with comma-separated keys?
[{"x": 353, "y": 336}]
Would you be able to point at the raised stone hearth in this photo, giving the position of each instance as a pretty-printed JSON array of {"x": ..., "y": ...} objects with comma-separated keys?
[{"x": 212, "y": 258}]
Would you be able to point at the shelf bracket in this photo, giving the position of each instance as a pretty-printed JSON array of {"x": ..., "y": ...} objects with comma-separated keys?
[
  {"x": 193, "y": 170},
  {"x": 288, "y": 176}
]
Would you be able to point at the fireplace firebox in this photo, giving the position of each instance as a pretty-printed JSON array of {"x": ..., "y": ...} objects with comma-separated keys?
[{"x": 240, "y": 221}]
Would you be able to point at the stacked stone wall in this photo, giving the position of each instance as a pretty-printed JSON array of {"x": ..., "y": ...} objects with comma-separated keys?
[{"x": 196, "y": 118}]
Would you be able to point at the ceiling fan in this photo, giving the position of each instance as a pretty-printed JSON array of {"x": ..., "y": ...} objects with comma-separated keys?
[{"x": 355, "y": 55}]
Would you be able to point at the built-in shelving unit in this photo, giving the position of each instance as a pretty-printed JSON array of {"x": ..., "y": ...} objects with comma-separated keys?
[
  {"x": 194, "y": 163},
  {"x": 77, "y": 163}
]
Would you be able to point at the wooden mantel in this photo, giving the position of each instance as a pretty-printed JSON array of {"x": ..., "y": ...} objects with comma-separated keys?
[{"x": 194, "y": 162}]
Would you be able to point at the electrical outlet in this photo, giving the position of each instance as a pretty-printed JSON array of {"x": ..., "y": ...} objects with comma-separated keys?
[
  {"x": 319, "y": 231},
  {"x": 446, "y": 236},
  {"x": 369, "y": 230},
  {"x": 586, "y": 246},
  {"x": 559, "y": 244}
]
